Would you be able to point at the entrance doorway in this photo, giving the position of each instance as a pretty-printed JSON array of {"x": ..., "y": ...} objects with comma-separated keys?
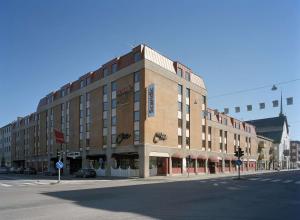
[{"x": 212, "y": 167}]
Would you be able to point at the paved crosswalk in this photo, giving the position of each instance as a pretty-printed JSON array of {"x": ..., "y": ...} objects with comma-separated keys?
[
  {"x": 22, "y": 184},
  {"x": 275, "y": 180}
]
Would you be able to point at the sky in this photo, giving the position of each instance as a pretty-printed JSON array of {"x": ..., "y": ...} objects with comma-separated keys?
[{"x": 232, "y": 44}]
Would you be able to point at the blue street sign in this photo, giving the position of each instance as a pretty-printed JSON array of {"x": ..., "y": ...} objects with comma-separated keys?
[
  {"x": 59, "y": 165},
  {"x": 238, "y": 162}
]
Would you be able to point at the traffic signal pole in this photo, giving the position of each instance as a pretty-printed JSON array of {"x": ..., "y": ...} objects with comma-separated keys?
[{"x": 239, "y": 153}]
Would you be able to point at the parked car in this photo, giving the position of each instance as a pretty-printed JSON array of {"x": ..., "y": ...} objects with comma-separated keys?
[
  {"x": 30, "y": 171},
  {"x": 51, "y": 173},
  {"x": 20, "y": 170},
  {"x": 3, "y": 170},
  {"x": 85, "y": 173},
  {"x": 12, "y": 170}
]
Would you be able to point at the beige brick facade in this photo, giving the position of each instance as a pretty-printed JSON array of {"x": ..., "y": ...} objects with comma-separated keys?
[{"x": 164, "y": 140}]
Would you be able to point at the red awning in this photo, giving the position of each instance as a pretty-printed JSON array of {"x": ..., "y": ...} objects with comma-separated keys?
[
  {"x": 228, "y": 158},
  {"x": 213, "y": 159},
  {"x": 202, "y": 157},
  {"x": 178, "y": 155},
  {"x": 193, "y": 156}
]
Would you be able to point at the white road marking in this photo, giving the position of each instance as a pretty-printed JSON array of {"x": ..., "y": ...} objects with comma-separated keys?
[
  {"x": 41, "y": 183},
  {"x": 287, "y": 181},
  {"x": 274, "y": 181},
  {"x": 298, "y": 182},
  {"x": 223, "y": 182},
  {"x": 215, "y": 184},
  {"x": 5, "y": 185},
  {"x": 27, "y": 184},
  {"x": 254, "y": 178},
  {"x": 263, "y": 180}
]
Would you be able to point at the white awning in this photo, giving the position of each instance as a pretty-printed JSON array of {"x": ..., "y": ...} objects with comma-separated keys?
[{"x": 158, "y": 154}]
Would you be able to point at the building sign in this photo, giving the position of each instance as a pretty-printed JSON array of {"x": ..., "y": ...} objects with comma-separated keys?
[
  {"x": 123, "y": 95},
  {"x": 151, "y": 100}
]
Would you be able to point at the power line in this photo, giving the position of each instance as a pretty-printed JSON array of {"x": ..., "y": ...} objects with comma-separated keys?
[{"x": 253, "y": 89}]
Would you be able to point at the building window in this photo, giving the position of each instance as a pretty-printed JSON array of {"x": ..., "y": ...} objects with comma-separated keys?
[
  {"x": 105, "y": 72},
  {"x": 136, "y": 135},
  {"x": 113, "y": 120},
  {"x": 81, "y": 83},
  {"x": 113, "y": 138},
  {"x": 187, "y": 76},
  {"x": 187, "y": 93},
  {"x": 113, "y": 103},
  {"x": 136, "y": 116},
  {"x": 180, "y": 106},
  {"x": 188, "y": 109},
  {"x": 203, "y": 143},
  {"x": 104, "y": 140},
  {"x": 137, "y": 96},
  {"x": 179, "y": 140},
  {"x": 105, "y": 106},
  {"x": 179, "y": 72},
  {"x": 113, "y": 86},
  {"x": 137, "y": 77},
  {"x": 204, "y": 129},
  {"x": 114, "y": 68},
  {"x": 137, "y": 57},
  {"x": 104, "y": 89},
  {"x": 179, "y": 123},
  {"x": 179, "y": 89},
  {"x": 187, "y": 141},
  {"x": 188, "y": 124},
  {"x": 105, "y": 123}
]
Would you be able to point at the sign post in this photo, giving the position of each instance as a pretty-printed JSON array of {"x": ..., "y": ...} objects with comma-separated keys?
[
  {"x": 59, "y": 137},
  {"x": 59, "y": 165}
]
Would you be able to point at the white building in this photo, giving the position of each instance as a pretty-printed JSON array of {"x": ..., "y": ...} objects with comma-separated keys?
[{"x": 277, "y": 129}]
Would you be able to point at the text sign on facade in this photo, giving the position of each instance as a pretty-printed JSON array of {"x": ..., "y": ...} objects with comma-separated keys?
[{"x": 151, "y": 100}]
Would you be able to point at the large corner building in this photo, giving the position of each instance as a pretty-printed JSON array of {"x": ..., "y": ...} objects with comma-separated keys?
[{"x": 140, "y": 112}]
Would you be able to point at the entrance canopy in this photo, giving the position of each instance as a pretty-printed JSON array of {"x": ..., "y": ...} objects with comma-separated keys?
[
  {"x": 202, "y": 157},
  {"x": 214, "y": 159},
  {"x": 158, "y": 154}
]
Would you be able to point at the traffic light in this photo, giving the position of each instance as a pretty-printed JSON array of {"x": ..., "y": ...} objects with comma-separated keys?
[
  {"x": 239, "y": 153},
  {"x": 236, "y": 153}
]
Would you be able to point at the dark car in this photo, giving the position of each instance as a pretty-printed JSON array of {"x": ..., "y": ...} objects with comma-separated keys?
[
  {"x": 51, "y": 173},
  {"x": 3, "y": 170},
  {"x": 85, "y": 173},
  {"x": 19, "y": 170},
  {"x": 30, "y": 171}
]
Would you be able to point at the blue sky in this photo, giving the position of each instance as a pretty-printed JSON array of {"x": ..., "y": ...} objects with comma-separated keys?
[{"x": 232, "y": 44}]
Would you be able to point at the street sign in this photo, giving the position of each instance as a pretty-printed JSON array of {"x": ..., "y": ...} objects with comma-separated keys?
[
  {"x": 59, "y": 137},
  {"x": 238, "y": 162},
  {"x": 59, "y": 165}
]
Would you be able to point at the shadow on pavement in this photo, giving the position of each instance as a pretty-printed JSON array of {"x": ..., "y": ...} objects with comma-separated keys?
[{"x": 190, "y": 200}]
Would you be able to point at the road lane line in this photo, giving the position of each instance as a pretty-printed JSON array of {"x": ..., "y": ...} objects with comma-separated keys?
[
  {"x": 287, "y": 181},
  {"x": 5, "y": 185},
  {"x": 263, "y": 180},
  {"x": 254, "y": 178},
  {"x": 27, "y": 184},
  {"x": 297, "y": 182},
  {"x": 277, "y": 180}
]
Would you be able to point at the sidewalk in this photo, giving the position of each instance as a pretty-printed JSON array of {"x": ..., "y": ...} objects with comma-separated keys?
[{"x": 212, "y": 176}]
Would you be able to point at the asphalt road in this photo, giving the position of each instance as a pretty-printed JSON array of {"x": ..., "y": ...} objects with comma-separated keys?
[{"x": 262, "y": 196}]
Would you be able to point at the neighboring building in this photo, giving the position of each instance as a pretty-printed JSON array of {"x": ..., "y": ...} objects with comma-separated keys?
[
  {"x": 276, "y": 129},
  {"x": 224, "y": 136},
  {"x": 5, "y": 145},
  {"x": 265, "y": 152},
  {"x": 142, "y": 113},
  {"x": 295, "y": 154}
]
